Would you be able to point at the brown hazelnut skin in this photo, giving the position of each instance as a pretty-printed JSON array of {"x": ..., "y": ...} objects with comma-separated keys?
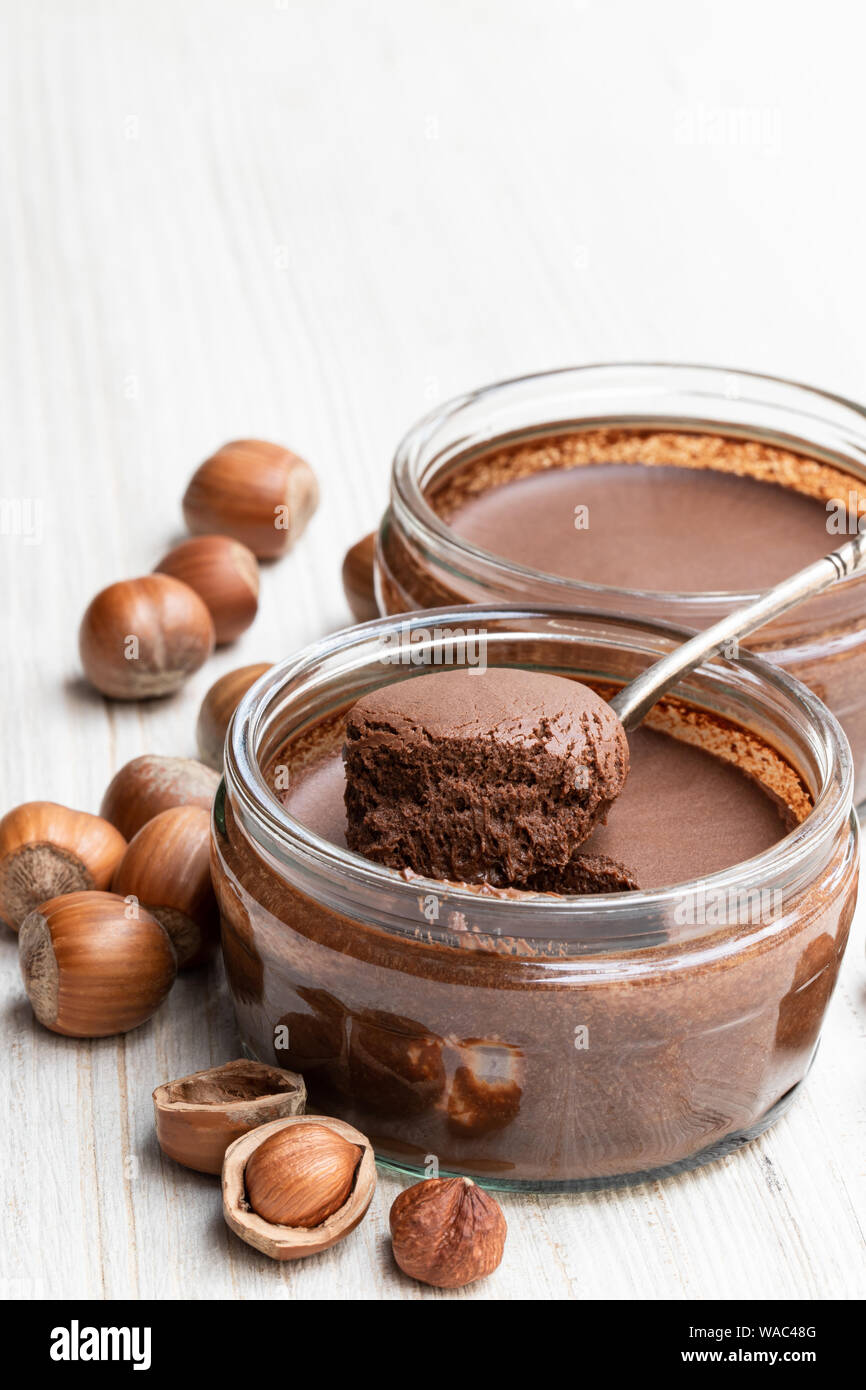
[
  {"x": 217, "y": 708},
  {"x": 358, "y": 583},
  {"x": 153, "y": 783},
  {"x": 301, "y": 1175},
  {"x": 166, "y": 867},
  {"x": 447, "y": 1232},
  {"x": 93, "y": 966},
  {"x": 224, "y": 574},
  {"x": 260, "y": 493},
  {"x": 142, "y": 638},
  {"x": 47, "y": 850}
]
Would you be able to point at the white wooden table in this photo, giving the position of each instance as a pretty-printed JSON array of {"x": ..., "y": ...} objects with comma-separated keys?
[{"x": 310, "y": 222}]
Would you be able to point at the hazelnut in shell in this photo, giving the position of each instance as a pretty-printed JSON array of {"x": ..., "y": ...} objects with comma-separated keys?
[
  {"x": 141, "y": 638},
  {"x": 447, "y": 1232},
  {"x": 217, "y": 708},
  {"x": 94, "y": 965},
  {"x": 166, "y": 867},
  {"x": 224, "y": 574},
  {"x": 47, "y": 850},
  {"x": 198, "y": 1116},
  {"x": 358, "y": 585},
  {"x": 260, "y": 493},
  {"x": 153, "y": 783},
  {"x": 297, "y": 1186}
]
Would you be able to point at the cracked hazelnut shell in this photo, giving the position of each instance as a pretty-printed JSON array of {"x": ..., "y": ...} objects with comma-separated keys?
[
  {"x": 447, "y": 1232},
  {"x": 198, "y": 1116},
  {"x": 153, "y": 783},
  {"x": 92, "y": 966},
  {"x": 166, "y": 867},
  {"x": 47, "y": 850},
  {"x": 280, "y": 1241}
]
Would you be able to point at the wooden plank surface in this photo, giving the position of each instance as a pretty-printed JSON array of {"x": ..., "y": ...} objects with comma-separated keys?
[{"x": 310, "y": 222}]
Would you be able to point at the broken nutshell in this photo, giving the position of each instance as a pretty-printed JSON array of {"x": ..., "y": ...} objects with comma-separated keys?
[
  {"x": 198, "y": 1116},
  {"x": 297, "y": 1186}
]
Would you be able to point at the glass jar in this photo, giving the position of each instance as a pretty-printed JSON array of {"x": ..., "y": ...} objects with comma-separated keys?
[
  {"x": 531, "y": 1040},
  {"x": 423, "y": 563}
]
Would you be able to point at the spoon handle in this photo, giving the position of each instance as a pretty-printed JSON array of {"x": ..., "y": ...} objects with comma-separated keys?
[{"x": 638, "y": 697}]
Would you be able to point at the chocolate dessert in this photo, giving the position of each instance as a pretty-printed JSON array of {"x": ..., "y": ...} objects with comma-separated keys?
[
  {"x": 544, "y": 1035},
  {"x": 676, "y": 522},
  {"x": 493, "y": 776}
]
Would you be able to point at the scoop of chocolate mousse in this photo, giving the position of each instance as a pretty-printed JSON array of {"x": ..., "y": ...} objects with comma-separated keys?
[{"x": 485, "y": 777}]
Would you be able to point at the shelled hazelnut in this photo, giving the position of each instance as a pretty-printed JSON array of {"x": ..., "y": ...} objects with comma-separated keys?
[
  {"x": 141, "y": 638},
  {"x": 152, "y": 783},
  {"x": 47, "y": 850},
  {"x": 217, "y": 708},
  {"x": 260, "y": 493},
  {"x": 358, "y": 584},
  {"x": 198, "y": 1116},
  {"x": 447, "y": 1232},
  {"x": 224, "y": 574},
  {"x": 297, "y": 1186},
  {"x": 166, "y": 867},
  {"x": 94, "y": 965}
]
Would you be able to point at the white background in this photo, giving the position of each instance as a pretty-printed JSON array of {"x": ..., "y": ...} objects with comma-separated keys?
[{"x": 311, "y": 221}]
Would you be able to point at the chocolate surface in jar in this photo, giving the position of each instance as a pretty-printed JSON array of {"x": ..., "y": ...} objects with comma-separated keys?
[
  {"x": 665, "y": 492},
  {"x": 531, "y": 1039}
]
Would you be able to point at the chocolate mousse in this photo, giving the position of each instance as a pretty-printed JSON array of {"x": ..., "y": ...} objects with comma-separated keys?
[
  {"x": 679, "y": 521},
  {"x": 687, "y": 809},
  {"x": 519, "y": 1035},
  {"x": 606, "y": 510},
  {"x": 493, "y": 776}
]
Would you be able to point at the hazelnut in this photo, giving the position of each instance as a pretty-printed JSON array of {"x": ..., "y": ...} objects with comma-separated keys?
[
  {"x": 166, "y": 867},
  {"x": 152, "y": 783},
  {"x": 485, "y": 1090},
  {"x": 94, "y": 965},
  {"x": 217, "y": 708},
  {"x": 300, "y": 1177},
  {"x": 447, "y": 1232},
  {"x": 198, "y": 1116},
  {"x": 143, "y": 637},
  {"x": 261, "y": 494},
  {"x": 358, "y": 583},
  {"x": 224, "y": 574},
  {"x": 297, "y": 1186},
  {"x": 47, "y": 850}
]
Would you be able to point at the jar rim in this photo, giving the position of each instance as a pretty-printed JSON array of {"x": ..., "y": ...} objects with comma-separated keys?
[
  {"x": 409, "y": 501},
  {"x": 278, "y": 832}
]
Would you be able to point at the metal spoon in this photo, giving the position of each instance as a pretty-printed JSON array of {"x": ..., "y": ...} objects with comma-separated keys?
[{"x": 638, "y": 697}]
